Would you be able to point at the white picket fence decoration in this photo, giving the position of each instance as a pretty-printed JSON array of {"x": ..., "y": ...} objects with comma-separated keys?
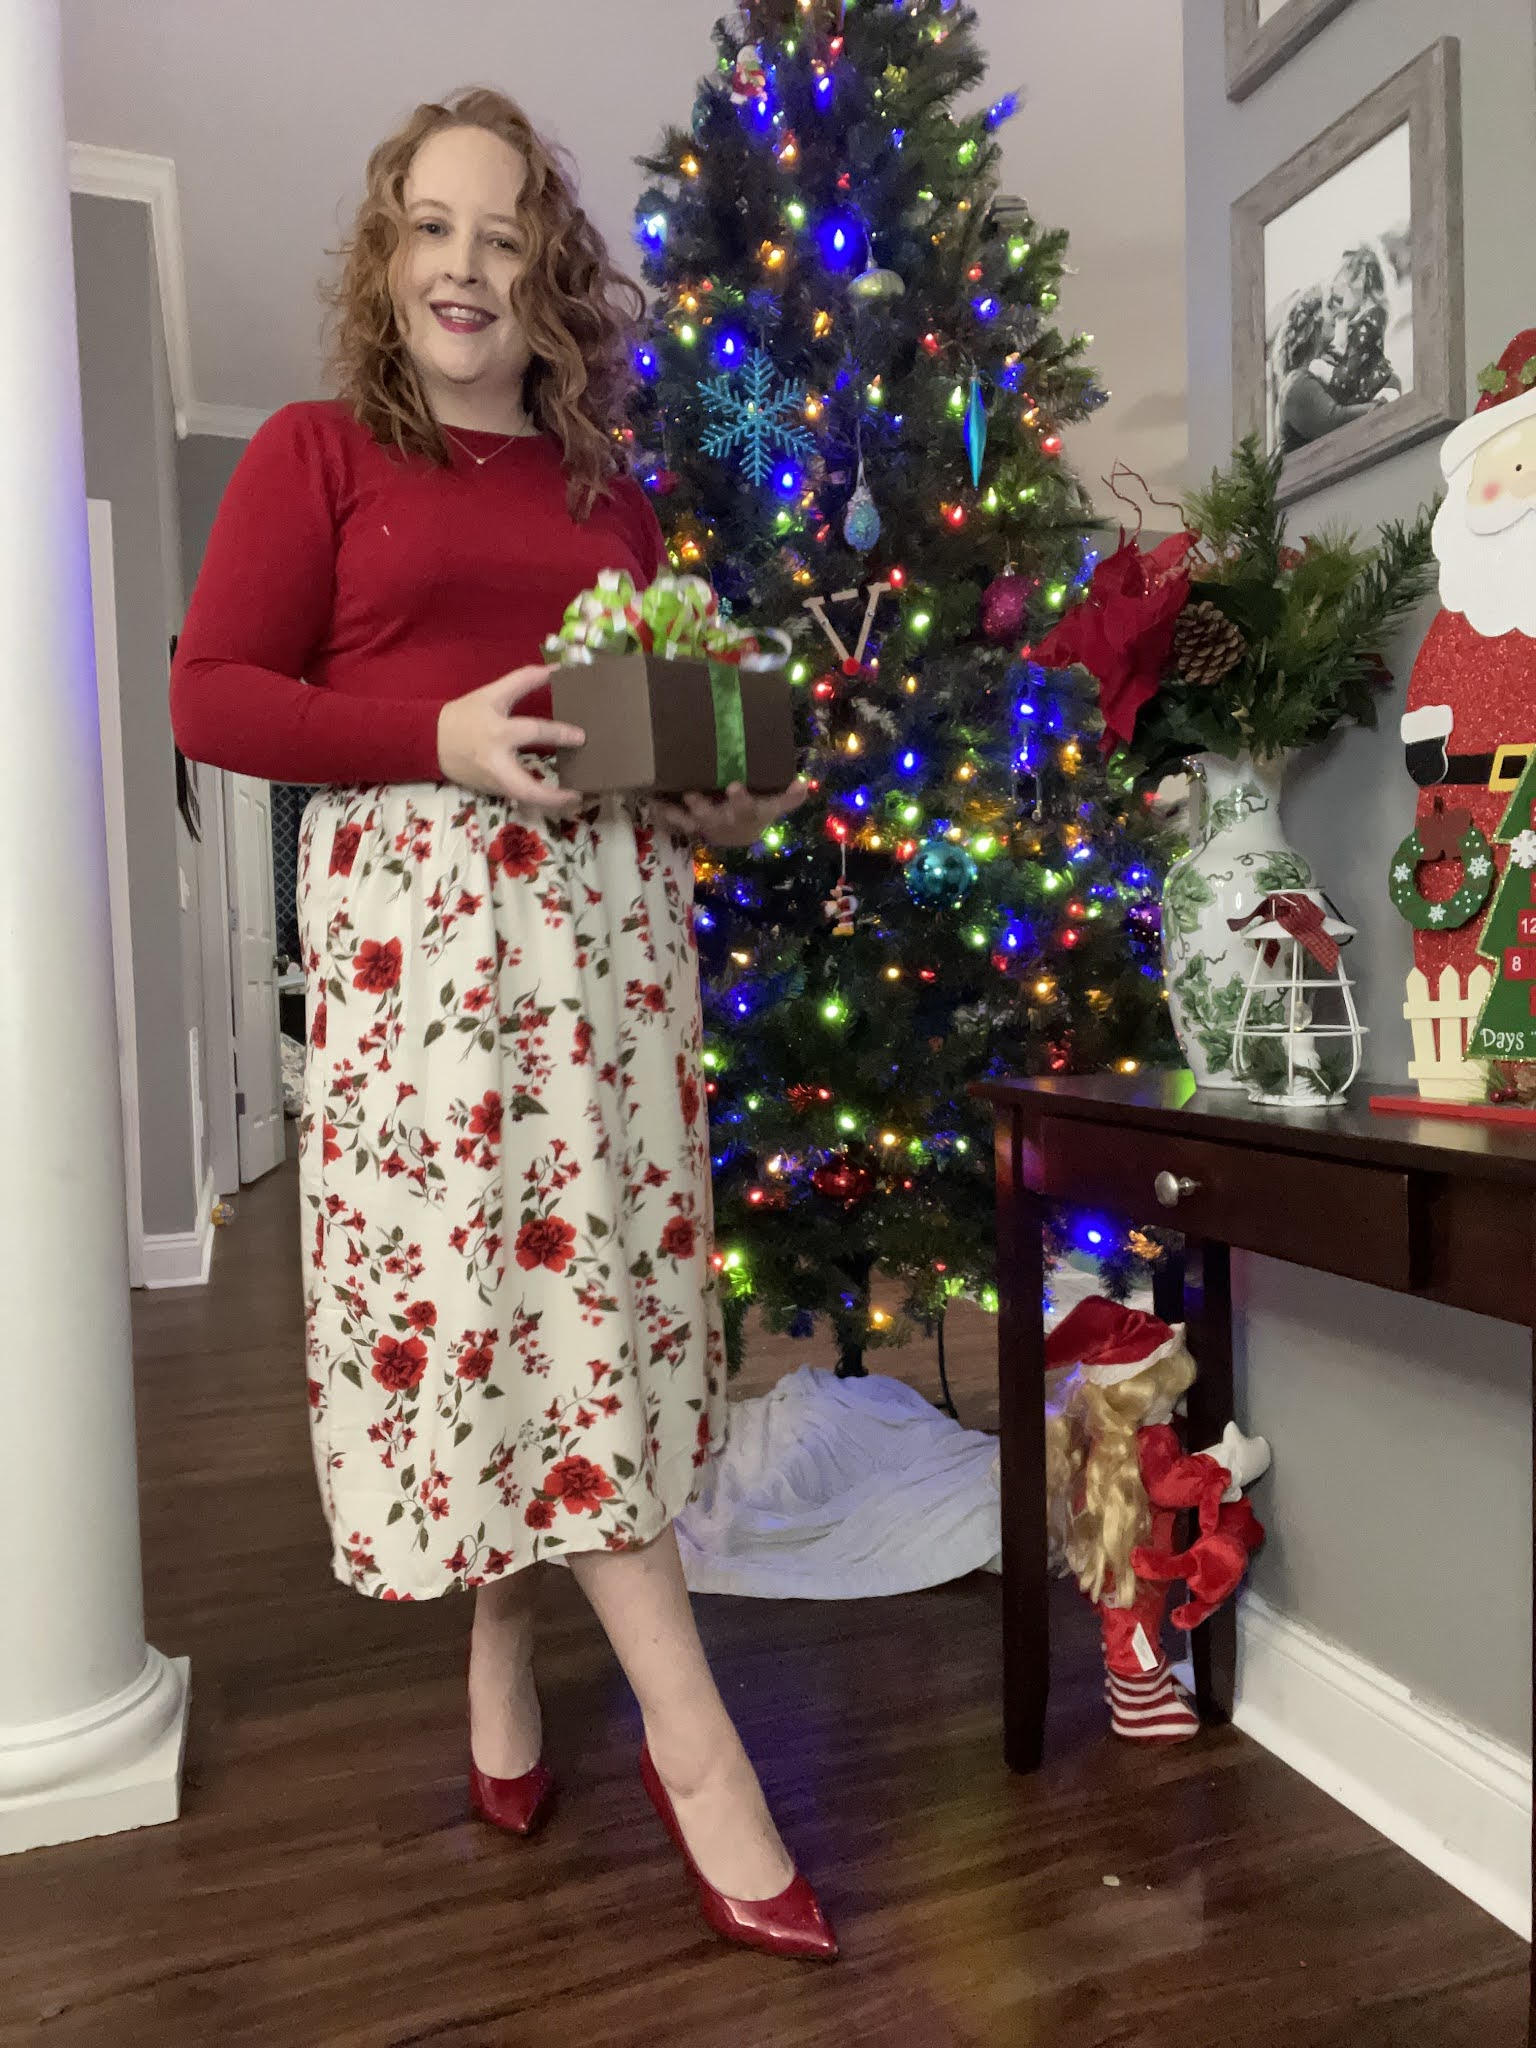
[{"x": 1441, "y": 1025}]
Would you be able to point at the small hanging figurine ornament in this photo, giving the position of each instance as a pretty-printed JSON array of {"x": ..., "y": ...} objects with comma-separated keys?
[
  {"x": 749, "y": 78},
  {"x": 852, "y": 663},
  {"x": 842, "y": 905}
]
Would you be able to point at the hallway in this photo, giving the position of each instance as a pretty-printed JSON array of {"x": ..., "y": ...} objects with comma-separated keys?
[{"x": 324, "y": 1889}]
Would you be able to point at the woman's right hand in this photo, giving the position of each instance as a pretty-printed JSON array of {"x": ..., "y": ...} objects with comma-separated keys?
[{"x": 478, "y": 741}]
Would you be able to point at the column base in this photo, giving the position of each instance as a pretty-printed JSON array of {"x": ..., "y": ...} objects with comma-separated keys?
[{"x": 106, "y": 1800}]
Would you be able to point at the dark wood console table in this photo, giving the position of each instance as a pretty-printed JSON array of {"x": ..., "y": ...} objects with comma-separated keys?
[{"x": 1425, "y": 1206}]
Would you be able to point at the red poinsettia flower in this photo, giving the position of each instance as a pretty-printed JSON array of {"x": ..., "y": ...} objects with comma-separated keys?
[{"x": 1122, "y": 632}]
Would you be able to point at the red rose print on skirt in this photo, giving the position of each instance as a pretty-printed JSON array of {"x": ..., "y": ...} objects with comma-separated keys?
[
  {"x": 545, "y": 1241},
  {"x": 582, "y": 1485},
  {"x": 485, "y": 1118},
  {"x": 539, "y": 1514},
  {"x": 344, "y": 848},
  {"x": 376, "y": 968},
  {"x": 516, "y": 852},
  {"x": 399, "y": 1366},
  {"x": 679, "y": 1239}
]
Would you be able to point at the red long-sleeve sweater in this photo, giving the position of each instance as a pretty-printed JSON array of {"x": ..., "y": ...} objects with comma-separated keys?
[{"x": 349, "y": 592}]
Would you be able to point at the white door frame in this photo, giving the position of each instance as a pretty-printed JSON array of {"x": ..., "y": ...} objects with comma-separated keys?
[{"x": 110, "y": 706}]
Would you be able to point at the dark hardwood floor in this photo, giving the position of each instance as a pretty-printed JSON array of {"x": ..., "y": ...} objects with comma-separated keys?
[{"x": 324, "y": 1889}]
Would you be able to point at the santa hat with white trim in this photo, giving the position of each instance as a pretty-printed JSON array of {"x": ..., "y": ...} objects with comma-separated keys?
[
  {"x": 1508, "y": 396},
  {"x": 1107, "y": 1342}
]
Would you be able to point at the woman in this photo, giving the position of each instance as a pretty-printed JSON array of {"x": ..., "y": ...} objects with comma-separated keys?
[
  {"x": 1307, "y": 409},
  {"x": 513, "y": 1337}
]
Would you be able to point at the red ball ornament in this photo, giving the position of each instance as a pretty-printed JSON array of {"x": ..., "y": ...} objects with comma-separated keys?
[
  {"x": 664, "y": 482},
  {"x": 841, "y": 1181},
  {"x": 1004, "y": 603}
]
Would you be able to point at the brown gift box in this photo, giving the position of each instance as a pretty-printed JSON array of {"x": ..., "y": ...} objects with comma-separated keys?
[{"x": 650, "y": 726}]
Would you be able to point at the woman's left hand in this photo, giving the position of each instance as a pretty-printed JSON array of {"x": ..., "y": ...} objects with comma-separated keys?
[{"x": 736, "y": 819}]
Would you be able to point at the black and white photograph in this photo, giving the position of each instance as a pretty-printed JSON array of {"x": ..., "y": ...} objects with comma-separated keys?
[
  {"x": 1338, "y": 278},
  {"x": 1347, "y": 331}
]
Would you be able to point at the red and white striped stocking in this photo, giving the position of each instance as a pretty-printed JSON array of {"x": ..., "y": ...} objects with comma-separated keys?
[{"x": 1146, "y": 1704}]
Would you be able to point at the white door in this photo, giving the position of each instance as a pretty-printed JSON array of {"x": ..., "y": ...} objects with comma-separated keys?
[
  {"x": 109, "y": 703},
  {"x": 253, "y": 959}
]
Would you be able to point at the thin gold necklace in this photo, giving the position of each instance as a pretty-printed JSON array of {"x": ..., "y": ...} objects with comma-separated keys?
[{"x": 481, "y": 460}]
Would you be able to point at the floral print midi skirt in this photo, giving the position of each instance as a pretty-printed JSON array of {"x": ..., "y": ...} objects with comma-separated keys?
[{"x": 513, "y": 1335}]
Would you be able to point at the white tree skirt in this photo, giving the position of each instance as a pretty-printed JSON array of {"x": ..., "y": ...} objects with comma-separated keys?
[{"x": 834, "y": 1489}]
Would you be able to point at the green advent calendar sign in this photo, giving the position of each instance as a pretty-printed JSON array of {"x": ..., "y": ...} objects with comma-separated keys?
[{"x": 1506, "y": 1024}]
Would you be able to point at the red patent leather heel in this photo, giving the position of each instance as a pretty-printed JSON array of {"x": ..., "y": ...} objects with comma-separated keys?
[
  {"x": 792, "y": 1924},
  {"x": 519, "y": 1806}
]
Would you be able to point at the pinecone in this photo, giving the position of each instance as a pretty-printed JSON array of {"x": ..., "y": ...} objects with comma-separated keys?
[{"x": 1206, "y": 644}]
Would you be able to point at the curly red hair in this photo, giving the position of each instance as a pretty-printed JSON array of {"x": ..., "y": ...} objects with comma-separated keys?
[{"x": 578, "y": 310}]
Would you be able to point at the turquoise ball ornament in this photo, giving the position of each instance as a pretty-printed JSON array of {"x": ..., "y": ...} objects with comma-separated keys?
[{"x": 940, "y": 875}]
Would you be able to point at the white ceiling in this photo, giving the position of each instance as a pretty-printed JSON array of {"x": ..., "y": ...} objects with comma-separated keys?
[{"x": 269, "y": 108}]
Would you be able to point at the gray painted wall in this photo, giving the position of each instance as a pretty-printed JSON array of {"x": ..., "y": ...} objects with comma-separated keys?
[
  {"x": 1399, "y": 1506},
  {"x": 204, "y": 465},
  {"x": 130, "y": 461}
]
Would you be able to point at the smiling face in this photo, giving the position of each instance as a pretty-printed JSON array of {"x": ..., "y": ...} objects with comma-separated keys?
[{"x": 461, "y": 256}]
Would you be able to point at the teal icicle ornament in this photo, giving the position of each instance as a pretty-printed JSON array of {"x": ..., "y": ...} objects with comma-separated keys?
[{"x": 976, "y": 429}]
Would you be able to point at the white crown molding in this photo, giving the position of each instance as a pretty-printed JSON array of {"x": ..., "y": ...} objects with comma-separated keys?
[
  {"x": 150, "y": 181},
  {"x": 228, "y": 422}
]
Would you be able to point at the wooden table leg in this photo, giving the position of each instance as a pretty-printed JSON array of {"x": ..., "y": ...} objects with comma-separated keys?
[
  {"x": 1021, "y": 1402},
  {"x": 1208, "y": 1312}
]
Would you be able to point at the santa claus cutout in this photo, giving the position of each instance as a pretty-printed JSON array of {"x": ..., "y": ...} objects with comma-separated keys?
[{"x": 1470, "y": 726}]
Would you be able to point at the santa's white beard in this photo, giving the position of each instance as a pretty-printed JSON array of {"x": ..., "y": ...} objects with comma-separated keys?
[{"x": 1488, "y": 577}]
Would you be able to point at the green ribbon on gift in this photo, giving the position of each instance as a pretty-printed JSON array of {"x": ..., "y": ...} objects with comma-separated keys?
[{"x": 730, "y": 724}]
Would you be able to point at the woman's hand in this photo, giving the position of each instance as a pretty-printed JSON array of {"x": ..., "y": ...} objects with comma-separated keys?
[
  {"x": 736, "y": 819},
  {"x": 478, "y": 741}
]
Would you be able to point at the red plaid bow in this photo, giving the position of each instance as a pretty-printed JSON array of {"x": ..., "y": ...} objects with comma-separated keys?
[{"x": 1298, "y": 915}]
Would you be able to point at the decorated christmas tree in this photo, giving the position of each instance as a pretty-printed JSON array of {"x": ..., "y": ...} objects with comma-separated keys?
[
  {"x": 1506, "y": 1025},
  {"x": 851, "y": 414}
]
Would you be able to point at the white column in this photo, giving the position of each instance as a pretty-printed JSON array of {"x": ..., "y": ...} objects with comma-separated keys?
[{"x": 91, "y": 1720}]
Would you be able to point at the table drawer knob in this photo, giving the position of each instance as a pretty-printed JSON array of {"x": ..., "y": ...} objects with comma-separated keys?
[{"x": 1171, "y": 1188}]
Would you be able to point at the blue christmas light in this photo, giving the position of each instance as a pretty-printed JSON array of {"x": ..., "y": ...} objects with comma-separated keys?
[
  {"x": 1024, "y": 709},
  {"x": 824, "y": 89},
  {"x": 1081, "y": 853},
  {"x": 730, "y": 347},
  {"x": 704, "y": 920},
  {"x": 985, "y": 309},
  {"x": 1003, "y": 110},
  {"x": 653, "y": 231},
  {"x": 645, "y": 361},
  {"x": 1011, "y": 376},
  {"x": 787, "y": 481},
  {"x": 908, "y": 762},
  {"x": 841, "y": 238},
  {"x": 860, "y": 799},
  {"x": 1138, "y": 877},
  {"x": 898, "y": 137}
]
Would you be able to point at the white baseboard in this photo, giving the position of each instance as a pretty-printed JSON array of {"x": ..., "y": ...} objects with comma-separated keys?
[
  {"x": 1456, "y": 1799},
  {"x": 183, "y": 1258},
  {"x": 143, "y": 1794}
]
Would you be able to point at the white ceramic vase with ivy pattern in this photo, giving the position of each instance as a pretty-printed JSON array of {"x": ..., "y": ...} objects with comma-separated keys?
[{"x": 1238, "y": 857}]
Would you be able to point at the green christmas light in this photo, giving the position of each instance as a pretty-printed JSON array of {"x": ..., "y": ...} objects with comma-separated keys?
[
  {"x": 774, "y": 837},
  {"x": 915, "y": 1147},
  {"x": 968, "y": 152},
  {"x": 687, "y": 334},
  {"x": 921, "y": 621},
  {"x": 911, "y": 814},
  {"x": 984, "y": 847},
  {"x": 976, "y": 936},
  {"x": 712, "y": 1060},
  {"x": 875, "y": 393},
  {"x": 834, "y": 1010},
  {"x": 962, "y": 1144},
  {"x": 1018, "y": 250},
  {"x": 794, "y": 213},
  {"x": 1056, "y": 595},
  {"x": 989, "y": 1300},
  {"x": 957, "y": 401},
  {"x": 1050, "y": 880},
  {"x": 846, "y": 1122},
  {"x": 799, "y": 672}
]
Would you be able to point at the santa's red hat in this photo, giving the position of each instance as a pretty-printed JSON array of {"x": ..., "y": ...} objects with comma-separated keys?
[
  {"x": 1107, "y": 1342},
  {"x": 1508, "y": 390}
]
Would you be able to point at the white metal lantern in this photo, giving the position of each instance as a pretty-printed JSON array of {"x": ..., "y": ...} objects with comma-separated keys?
[{"x": 1297, "y": 1041}]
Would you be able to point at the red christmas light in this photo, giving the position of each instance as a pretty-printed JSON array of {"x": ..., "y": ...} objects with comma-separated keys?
[
  {"x": 926, "y": 974},
  {"x": 906, "y": 849},
  {"x": 932, "y": 343},
  {"x": 754, "y": 1195},
  {"x": 897, "y": 578},
  {"x": 1051, "y": 444},
  {"x": 1075, "y": 909},
  {"x": 975, "y": 273},
  {"x": 955, "y": 514},
  {"x": 845, "y": 182},
  {"x": 824, "y": 690},
  {"x": 837, "y": 828},
  {"x": 1071, "y": 937}
]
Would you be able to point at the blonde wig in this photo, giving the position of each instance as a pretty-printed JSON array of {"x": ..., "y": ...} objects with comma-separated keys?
[
  {"x": 1097, "y": 1502},
  {"x": 576, "y": 308}
]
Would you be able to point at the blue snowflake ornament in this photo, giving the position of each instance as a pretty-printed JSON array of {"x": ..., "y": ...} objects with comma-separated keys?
[{"x": 758, "y": 413}]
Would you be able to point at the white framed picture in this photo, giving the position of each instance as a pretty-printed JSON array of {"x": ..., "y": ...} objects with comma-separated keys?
[
  {"x": 1347, "y": 289},
  {"x": 1264, "y": 34}
]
